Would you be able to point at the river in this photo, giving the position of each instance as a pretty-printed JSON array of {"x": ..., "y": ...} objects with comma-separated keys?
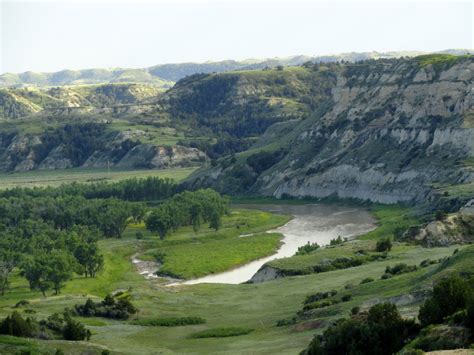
[{"x": 311, "y": 223}]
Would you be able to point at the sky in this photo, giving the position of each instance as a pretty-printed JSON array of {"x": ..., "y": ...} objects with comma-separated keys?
[{"x": 56, "y": 35}]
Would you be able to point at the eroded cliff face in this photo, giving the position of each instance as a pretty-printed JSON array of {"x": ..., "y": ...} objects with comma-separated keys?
[
  {"x": 110, "y": 99},
  {"x": 389, "y": 133},
  {"x": 121, "y": 150}
]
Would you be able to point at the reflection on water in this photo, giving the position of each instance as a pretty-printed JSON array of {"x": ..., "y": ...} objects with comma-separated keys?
[{"x": 311, "y": 223}]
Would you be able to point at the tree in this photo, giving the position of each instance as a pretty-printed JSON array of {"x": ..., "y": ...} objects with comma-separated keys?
[
  {"x": 10, "y": 257},
  {"x": 215, "y": 222},
  {"x": 137, "y": 212},
  {"x": 47, "y": 271},
  {"x": 112, "y": 218},
  {"x": 89, "y": 258},
  {"x": 36, "y": 270},
  {"x": 196, "y": 211},
  {"x": 158, "y": 221},
  {"x": 61, "y": 266}
]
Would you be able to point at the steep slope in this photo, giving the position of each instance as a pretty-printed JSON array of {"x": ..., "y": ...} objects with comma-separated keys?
[
  {"x": 245, "y": 103},
  {"x": 390, "y": 131},
  {"x": 91, "y": 145},
  {"x": 22, "y": 102}
]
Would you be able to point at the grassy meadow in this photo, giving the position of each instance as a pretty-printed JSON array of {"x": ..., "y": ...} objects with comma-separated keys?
[{"x": 43, "y": 178}]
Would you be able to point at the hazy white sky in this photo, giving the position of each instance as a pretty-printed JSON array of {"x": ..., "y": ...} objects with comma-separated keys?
[{"x": 56, "y": 35}]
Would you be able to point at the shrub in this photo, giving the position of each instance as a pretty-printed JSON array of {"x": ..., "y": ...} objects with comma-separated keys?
[
  {"x": 355, "y": 310},
  {"x": 15, "y": 325},
  {"x": 450, "y": 295},
  {"x": 74, "y": 330},
  {"x": 116, "y": 306},
  {"x": 307, "y": 248},
  {"x": 336, "y": 241},
  {"x": 400, "y": 268},
  {"x": 346, "y": 298},
  {"x": 170, "y": 322},
  {"x": 283, "y": 322},
  {"x": 55, "y": 322},
  {"x": 441, "y": 338},
  {"x": 221, "y": 332},
  {"x": 319, "y": 296},
  {"x": 428, "y": 262},
  {"x": 366, "y": 280},
  {"x": 316, "y": 305},
  {"x": 381, "y": 331},
  {"x": 21, "y": 303},
  {"x": 440, "y": 215},
  {"x": 384, "y": 244}
]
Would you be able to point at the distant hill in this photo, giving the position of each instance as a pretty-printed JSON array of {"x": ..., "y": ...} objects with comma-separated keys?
[
  {"x": 91, "y": 99},
  {"x": 83, "y": 77},
  {"x": 164, "y": 75}
]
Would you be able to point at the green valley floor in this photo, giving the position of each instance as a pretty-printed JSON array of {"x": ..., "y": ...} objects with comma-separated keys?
[{"x": 251, "y": 306}]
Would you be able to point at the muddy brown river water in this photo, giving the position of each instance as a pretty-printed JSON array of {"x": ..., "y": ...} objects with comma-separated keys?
[{"x": 311, "y": 223}]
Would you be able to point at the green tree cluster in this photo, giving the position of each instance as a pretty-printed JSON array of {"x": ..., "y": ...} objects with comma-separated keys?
[{"x": 187, "y": 209}]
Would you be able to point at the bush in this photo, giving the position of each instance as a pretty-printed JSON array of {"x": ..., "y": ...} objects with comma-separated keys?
[
  {"x": 170, "y": 322},
  {"x": 381, "y": 331},
  {"x": 450, "y": 295},
  {"x": 384, "y": 244},
  {"x": 346, "y": 298},
  {"x": 55, "y": 322},
  {"x": 337, "y": 240},
  {"x": 221, "y": 332},
  {"x": 116, "y": 306},
  {"x": 17, "y": 326},
  {"x": 400, "y": 268},
  {"x": 74, "y": 330},
  {"x": 307, "y": 248},
  {"x": 366, "y": 280},
  {"x": 283, "y": 322},
  {"x": 319, "y": 296},
  {"x": 21, "y": 303},
  {"x": 441, "y": 338},
  {"x": 428, "y": 262},
  {"x": 440, "y": 215},
  {"x": 355, "y": 310}
]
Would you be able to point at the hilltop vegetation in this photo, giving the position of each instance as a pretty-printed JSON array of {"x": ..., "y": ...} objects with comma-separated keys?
[{"x": 164, "y": 75}]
